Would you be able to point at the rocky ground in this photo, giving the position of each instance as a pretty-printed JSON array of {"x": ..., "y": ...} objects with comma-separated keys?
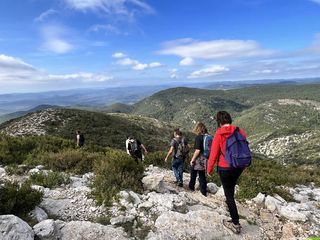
[{"x": 162, "y": 211}]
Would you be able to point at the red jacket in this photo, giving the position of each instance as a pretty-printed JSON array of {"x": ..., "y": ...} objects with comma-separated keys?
[{"x": 219, "y": 146}]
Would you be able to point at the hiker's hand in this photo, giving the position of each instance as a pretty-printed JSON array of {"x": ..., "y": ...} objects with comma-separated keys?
[
  {"x": 166, "y": 159},
  {"x": 146, "y": 152},
  {"x": 191, "y": 162}
]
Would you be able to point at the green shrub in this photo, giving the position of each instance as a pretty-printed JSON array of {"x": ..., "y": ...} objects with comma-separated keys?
[
  {"x": 268, "y": 176},
  {"x": 18, "y": 200},
  {"x": 157, "y": 159},
  {"x": 50, "y": 180},
  {"x": 73, "y": 160},
  {"x": 14, "y": 169},
  {"x": 116, "y": 172}
]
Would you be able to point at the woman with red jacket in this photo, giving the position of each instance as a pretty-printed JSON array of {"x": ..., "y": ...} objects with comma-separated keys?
[{"x": 228, "y": 175}]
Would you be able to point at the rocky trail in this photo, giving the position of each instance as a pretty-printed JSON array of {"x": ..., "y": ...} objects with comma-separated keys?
[{"x": 162, "y": 211}]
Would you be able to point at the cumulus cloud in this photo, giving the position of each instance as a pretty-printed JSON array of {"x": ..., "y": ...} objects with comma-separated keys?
[
  {"x": 45, "y": 15},
  {"x": 209, "y": 71},
  {"x": 188, "y": 61},
  {"x": 215, "y": 49},
  {"x": 55, "y": 39},
  {"x": 119, "y": 55},
  {"x": 135, "y": 64}
]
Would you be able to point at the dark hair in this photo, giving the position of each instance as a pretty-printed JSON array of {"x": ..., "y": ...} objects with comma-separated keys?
[
  {"x": 223, "y": 117},
  {"x": 200, "y": 128},
  {"x": 78, "y": 132},
  {"x": 178, "y": 132}
]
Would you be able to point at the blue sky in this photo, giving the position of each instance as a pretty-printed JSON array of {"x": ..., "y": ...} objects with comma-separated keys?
[{"x": 63, "y": 44}]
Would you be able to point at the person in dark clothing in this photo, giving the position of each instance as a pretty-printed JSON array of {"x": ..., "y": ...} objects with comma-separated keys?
[
  {"x": 228, "y": 175},
  {"x": 134, "y": 148},
  {"x": 179, "y": 148},
  {"x": 198, "y": 161}
]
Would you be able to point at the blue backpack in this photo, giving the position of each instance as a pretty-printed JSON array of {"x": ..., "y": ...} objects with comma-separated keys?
[
  {"x": 237, "y": 152},
  {"x": 207, "y": 142}
]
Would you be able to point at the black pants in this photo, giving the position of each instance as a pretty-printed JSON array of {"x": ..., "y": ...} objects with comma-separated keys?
[
  {"x": 202, "y": 180},
  {"x": 229, "y": 180}
]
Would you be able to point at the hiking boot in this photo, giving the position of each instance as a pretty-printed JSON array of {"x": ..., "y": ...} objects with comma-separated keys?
[{"x": 236, "y": 228}]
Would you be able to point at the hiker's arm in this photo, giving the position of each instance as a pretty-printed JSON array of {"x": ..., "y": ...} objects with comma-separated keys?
[
  {"x": 214, "y": 154},
  {"x": 169, "y": 154},
  {"x": 144, "y": 148},
  {"x": 195, "y": 155}
]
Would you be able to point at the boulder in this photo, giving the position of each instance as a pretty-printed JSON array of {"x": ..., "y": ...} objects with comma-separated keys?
[
  {"x": 13, "y": 228},
  {"x": 272, "y": 204},
  {"x": 154, "y": 183},
  {"x": 87, "y": 231},
  {"x": 220, "y": 192},
  {"x": 290, "y": 212},
  {"x": 47, "y": 230},
  {"x": 34, "y": 171},
  {"x": 259, "y": 199},
  {"x": 201, "y": 224},
  {"x": 2, "y": 172},
  {"x": 39, "y": 214},
  {"x": 212, "y": 188},
  {"x": 122, "y": 219}
]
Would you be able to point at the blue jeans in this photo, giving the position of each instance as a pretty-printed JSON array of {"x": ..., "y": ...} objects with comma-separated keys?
[{"x": 177, "y": 167}]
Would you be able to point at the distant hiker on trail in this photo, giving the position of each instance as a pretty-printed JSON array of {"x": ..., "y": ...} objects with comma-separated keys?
[
  {"x": 134, "y": 148},
  {"x": 231, "y": 152},
  {"x": 79, "y": 138},
  {"x": 200, "y": 157},
  {"x": 180, "y": 149}
]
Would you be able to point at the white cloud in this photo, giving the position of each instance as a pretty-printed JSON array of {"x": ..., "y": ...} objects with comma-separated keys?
[
  {"x": 83, "y": 77},
  {"x": 188, "y": 61},
  {"x": 315, "y": 1},
  {"x": 140, "y": 66},
  {"x": 127, "y": 62},
  {"x": 135, "y": 64},
  {"x": 108, "y": 29},
  {"x": 55, "y": 39},
  {"x": 215, "y": 49},
  {"x": 45, "y": 15},
  {"x": 209, "y": 71},
  {"x": 119, "y": 55},
  {"x": 118, "y": 7},
  {"x": 14, "y": 71},
  {"x": 155, "y": 64}
]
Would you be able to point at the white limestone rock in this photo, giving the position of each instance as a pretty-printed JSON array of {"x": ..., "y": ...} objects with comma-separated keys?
[
  {"x": 272, "y": 204},
  {"x": 259, "y": 199},
  {"x": 87, "y": 231},
  {"x": 13, "y": 228},
  {"x": 39, "y": 214},
  {"x": 47, "y": 230},
  {"x": 154, "y": 183},
  {"x": 212, "y": 188}
]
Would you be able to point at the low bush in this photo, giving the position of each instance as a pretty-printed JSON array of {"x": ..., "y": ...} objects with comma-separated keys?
[
  {"x": 18, "y": 200},
  {"x": 116, "y": 172},
  {"x": 49, "y": 180},
  {"x": 14, "y": 169},
  {"x": 157, "y": 159},
  {"x": 267, "y": 176},
  {"x": 77, "y": 161}
]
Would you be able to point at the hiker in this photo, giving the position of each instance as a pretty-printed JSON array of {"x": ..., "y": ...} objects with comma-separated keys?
[
  {"x": 229, "y": 142},
  {"x": 134, "y": 148},
  {"x": 179, "y": 148},
  {"x": 80, "y": 138},
  {"x": 199, "y": 159}
]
